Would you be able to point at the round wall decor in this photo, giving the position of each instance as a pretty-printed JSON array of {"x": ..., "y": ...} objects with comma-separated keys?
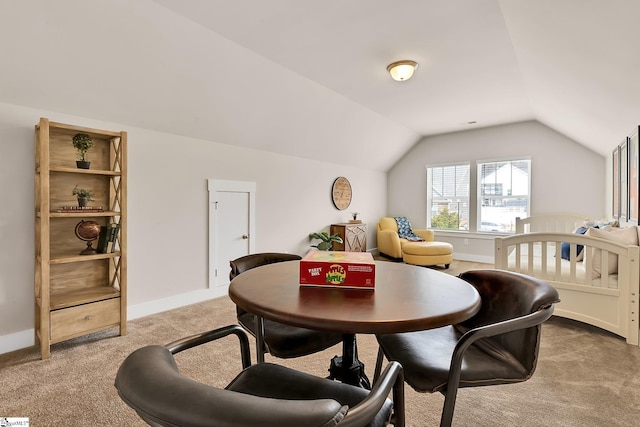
[{"x": 341, "y": 193}]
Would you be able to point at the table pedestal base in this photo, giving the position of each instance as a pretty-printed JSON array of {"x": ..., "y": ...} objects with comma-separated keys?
[{"x": 347, "y": 368}]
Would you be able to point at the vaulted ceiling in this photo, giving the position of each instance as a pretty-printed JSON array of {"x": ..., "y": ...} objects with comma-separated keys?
[{"x": 308, "y": 78}]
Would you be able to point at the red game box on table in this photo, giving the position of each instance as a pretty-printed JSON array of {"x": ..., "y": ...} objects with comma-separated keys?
[{"x": 338, "y": 269}]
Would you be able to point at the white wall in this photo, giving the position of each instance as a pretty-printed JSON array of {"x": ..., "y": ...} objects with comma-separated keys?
[
  {"x": 566, "y": 176},
  {"x": 168, "y": 217}
]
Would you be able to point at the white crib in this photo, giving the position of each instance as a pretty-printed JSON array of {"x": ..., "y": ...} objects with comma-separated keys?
[{"x": 609, "y": 302}]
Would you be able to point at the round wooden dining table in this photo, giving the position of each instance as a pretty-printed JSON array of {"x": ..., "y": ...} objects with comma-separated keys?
[{"x": 405, "y": 298}]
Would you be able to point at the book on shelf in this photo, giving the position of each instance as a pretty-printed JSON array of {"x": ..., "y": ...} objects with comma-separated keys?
[
  {"x": 85, "y": 209},
  {"x": 114, "y": 242},
  {"x": 107, "y": 238},
  {"x": 102, "y": 239},
  {"x": 113, "y": 233}
]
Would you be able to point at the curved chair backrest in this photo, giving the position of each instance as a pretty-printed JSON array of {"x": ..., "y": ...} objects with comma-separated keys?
[
  {"x": 262, "y": 395},
  {"x": 507, "y": 295},
  {"x": 247, "y": 262},
  {"x": 388, "y": 223},
  {"x": 149, "y": 382}
]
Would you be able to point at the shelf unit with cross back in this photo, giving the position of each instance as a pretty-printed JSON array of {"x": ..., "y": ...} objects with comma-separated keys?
[{"x": 78, "y": 294}]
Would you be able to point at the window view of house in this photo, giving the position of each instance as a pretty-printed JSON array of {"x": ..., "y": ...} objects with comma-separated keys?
[{"x": 503, "y": 194}]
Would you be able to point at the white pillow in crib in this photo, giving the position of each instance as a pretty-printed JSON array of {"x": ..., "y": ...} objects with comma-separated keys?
[{"x": 626, "y": 236}]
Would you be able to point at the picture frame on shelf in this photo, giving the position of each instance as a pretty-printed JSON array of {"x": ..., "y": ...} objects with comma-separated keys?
[
  {"x": 634, "y": 156},
  {"x": 624, "y": 181},
  {"x": 615, "y": 167}
]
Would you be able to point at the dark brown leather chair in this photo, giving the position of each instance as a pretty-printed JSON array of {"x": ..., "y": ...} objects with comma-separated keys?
[
  {"x": 261, "y": 395},
  {"x": 283, "y": 341},
  {"x": 499, "y": 345}
]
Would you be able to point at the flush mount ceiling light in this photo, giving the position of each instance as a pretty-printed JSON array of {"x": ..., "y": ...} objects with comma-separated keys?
[{"x": 402, "y": 70}]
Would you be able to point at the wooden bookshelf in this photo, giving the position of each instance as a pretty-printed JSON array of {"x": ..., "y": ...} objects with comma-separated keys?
[{"x": 78, "y": 294}]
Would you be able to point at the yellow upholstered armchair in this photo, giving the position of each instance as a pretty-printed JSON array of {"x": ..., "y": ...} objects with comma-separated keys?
[
  {"x": 427, "y": 252},
  {"x": 390, "y": 244}
]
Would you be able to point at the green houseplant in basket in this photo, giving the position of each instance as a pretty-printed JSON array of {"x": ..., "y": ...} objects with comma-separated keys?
[
  {"x": 327, "y": 240},
  {"x": 82, "y": 142}
]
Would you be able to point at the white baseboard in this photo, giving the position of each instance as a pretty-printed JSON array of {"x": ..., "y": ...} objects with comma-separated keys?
[
  {"x": 176, "y": 301},
  {"x": 24, "y": 339},
  {"x": 17, "y": 340},
  {"x": 474, "y": 258}
]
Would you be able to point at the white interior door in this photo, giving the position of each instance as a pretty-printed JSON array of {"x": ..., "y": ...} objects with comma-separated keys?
[{"x": 231, "y": 226}]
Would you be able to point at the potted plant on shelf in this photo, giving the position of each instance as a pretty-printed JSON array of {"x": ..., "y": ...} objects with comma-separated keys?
[
  {"x": 84, "y": 196},
  {"x": 327, "y": 240},
  {"x": 82, "y": 142}
]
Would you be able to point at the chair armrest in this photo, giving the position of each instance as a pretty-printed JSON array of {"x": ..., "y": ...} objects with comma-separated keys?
[
  {"x": 498, "y": 328},
  {"x": 392, "y": 378},
  {"x": 205, "y": 337},
  {"x": 389, "y": 243},
  {"x": 427, "y": 235},
  {"x": 475, "y": 334},
  {"x": 149, "y": 381}
]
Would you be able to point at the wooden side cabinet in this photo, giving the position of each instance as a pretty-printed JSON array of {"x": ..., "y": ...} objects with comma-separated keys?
[
  {"x": 77, "y": 294},
  {"x": 354, "y": 237}
]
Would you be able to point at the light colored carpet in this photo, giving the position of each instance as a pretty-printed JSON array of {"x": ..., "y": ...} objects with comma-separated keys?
[{"x": 585, "y": 376}]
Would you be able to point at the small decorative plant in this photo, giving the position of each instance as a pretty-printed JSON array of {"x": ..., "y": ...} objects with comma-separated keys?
[
  {"x": 83, "y": 195},
  {"x": 82, "y": 142},
  {"x": 355, "y": 215},
  {"x": 327, "y": 240}
]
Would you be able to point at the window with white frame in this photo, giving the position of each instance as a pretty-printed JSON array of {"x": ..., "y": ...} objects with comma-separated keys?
[
  {"x": 448, "y": 197},
  {"x": 503, "y": 194}
]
